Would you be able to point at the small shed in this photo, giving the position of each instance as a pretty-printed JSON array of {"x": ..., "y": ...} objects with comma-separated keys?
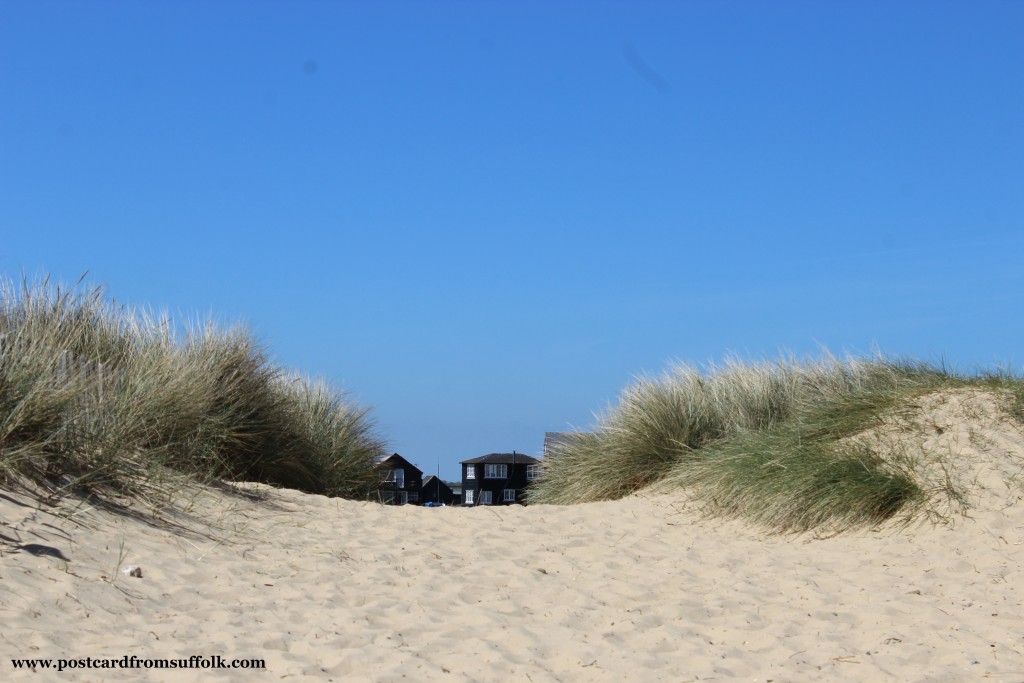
[{"x": 437, "y": 491}]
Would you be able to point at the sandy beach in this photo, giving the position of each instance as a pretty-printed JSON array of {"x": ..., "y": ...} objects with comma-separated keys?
[
  {"x": 644, "y": 588},
  {"x": 637, "y": 589}
]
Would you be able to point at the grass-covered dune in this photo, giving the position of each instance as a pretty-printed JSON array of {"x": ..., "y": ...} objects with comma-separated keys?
[
  {"x": 97, "y": 398},
  {"x": 790, "y": 445}
]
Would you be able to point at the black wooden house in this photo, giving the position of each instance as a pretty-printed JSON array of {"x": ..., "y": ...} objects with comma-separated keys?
[
  {"x": 400, "y": 481},
  {"x": 498, "y": 478}
]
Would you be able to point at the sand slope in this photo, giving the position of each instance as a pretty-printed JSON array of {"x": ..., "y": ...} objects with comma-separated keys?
[{"x": 637, "y": 589}]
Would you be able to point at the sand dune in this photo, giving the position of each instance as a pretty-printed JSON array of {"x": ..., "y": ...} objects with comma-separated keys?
[{"x": 638, "y": 589}]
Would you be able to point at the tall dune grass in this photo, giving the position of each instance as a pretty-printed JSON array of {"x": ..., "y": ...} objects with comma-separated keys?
[
  {"x": 762, "y": 440},
  {"x": 97, "y": 397}
]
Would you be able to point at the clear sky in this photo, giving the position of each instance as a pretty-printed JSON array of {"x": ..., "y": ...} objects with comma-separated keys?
[{"x": 485, "y": 218}]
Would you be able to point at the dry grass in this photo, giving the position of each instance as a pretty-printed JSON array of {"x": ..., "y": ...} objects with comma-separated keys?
[
  {"x": 99, "y": 399},
  {"x": 767, "y": 441}
]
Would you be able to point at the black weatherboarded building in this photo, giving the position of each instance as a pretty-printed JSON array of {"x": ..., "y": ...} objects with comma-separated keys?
[
  {"x": 400, "y": 482},
  {"x": 497, "y": 478},
  {"x": 437, "y": 492}
]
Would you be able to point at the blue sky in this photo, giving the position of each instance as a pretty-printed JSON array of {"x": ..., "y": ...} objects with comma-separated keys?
[{"x": 485, "y": 218}]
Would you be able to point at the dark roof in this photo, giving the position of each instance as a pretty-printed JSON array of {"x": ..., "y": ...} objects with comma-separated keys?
[
  {"x": 503, "y": 458},
  {"x": 440, "y": 482},
  {"x": 395, "y": 460}
]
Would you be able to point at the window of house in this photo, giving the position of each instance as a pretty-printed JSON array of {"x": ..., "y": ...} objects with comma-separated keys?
[
  {"x": 387, "y": 497},
  {"x": 396, "y": 477},
  {"x": 470, "y": 472},
  {"x": 533, "y": 471},
  {"x": 509, "y": 496},
  {"x": 403, "y": 497},
  {"x": 485, "y": 497},
  {"x": 495, "y": 471},
  {"x": 469, "y": 497},
  {"x": 414, "y": 496}
]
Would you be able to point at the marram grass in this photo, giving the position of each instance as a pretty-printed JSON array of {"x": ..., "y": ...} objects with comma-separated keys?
[
  {"x": 764, "y": 441},
  {"x": 94, "y": 397}
]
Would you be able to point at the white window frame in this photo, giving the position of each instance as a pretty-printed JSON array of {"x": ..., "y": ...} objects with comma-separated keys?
[
  {"x": 468, "y": 497},
  {"x": 470, "y": 471},
  {"x": 508, "y": 496},
  {"x": 485, "y": 498},
  {"x": 533, "y": 472},
  {"x": 495, "y": 471}
]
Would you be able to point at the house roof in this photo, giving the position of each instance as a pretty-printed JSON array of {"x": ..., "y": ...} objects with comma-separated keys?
[
  {"x": 440, "y": 482},
  {"x": 503, "y": 458},
  {"x": 554, "y": 440},
  {"x": 395, "y": 460}
]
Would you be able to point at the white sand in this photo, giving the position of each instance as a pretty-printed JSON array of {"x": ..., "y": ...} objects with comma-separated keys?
[{"x": 638, "y": 589}]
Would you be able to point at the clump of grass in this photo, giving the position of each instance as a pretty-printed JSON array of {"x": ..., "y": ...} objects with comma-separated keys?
[
  {"x": 663, "y": 421},
  {"x": 336, "y": 437},
  {"x": 99, "y": 398},
  {"x": 659, "y": 422},
  {"x": 787, "y": 483},
  {"x": 767, "y": 441}
]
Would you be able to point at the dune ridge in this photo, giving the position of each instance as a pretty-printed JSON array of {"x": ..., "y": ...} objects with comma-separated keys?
[{"x": 643, "y": 588}]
